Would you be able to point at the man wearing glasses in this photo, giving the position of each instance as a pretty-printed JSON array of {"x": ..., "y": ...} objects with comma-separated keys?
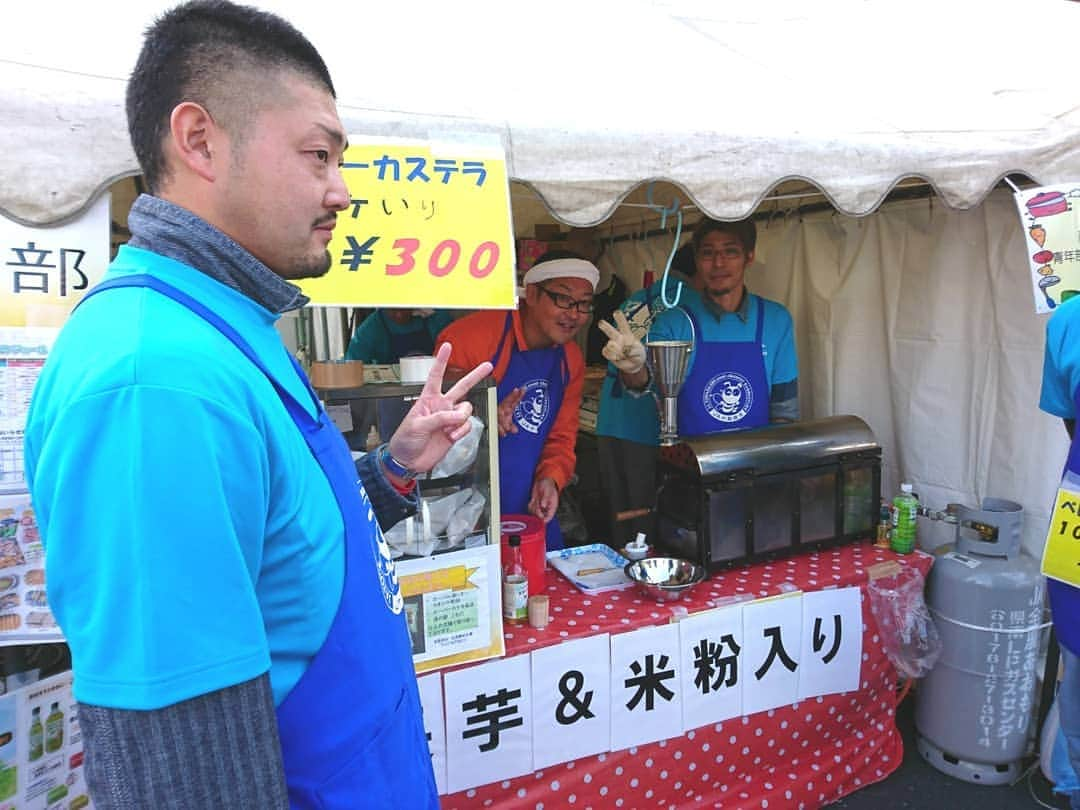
[
  {"x": 743, "y": 372},
  {"x": 539, "y": 370}
]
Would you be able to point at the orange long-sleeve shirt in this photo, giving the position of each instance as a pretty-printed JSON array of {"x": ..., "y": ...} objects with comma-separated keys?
[{"x": 475, "y": 338}]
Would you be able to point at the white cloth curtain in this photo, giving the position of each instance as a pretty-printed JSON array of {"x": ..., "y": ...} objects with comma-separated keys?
[{"x": 920, "y": 320}]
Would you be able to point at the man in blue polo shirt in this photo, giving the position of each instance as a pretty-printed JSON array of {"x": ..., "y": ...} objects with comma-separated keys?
[
  {"x": 743, "y": 371},
  {"x": 1060, "y": 396},
  {"x": 214, "y": 555},
  {"x": 628, "y": 423}
]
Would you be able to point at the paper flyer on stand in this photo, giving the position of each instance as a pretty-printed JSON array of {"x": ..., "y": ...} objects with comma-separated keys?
[{"x": 453, "y": 606}]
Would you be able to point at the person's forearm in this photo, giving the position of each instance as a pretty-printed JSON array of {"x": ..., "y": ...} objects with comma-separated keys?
[
  {"x": 636, "y": 381},
  {"x": 389, "y": 505},
  {"x": 182, "y": 755}
]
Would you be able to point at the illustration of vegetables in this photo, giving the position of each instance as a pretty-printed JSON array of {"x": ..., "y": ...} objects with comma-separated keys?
[{"x": 1038, "y": 234}]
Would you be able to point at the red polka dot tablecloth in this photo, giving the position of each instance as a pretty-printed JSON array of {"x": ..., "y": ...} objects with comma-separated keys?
[{"x": 800, "y": 756}]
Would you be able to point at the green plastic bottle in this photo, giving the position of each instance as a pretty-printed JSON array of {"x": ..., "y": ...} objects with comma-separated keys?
[
  {"x": 37, "y": 735},
  {"x": 904, "y": 510},
  {"x": 54, "y": 729}
]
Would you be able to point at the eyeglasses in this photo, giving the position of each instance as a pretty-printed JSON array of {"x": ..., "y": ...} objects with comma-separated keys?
[
  {"x": 584, "y": 306},
  {"x": 729, "y": 254}
]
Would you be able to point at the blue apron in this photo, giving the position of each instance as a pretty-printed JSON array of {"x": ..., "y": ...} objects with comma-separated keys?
[
  {"x": 543, "y": 373},
  {"x": 352, "y": 733},
  {"x": 1064, "y": 598},
  {"x": 417, "y": 343},
  {"x": 728, "y": 388}
]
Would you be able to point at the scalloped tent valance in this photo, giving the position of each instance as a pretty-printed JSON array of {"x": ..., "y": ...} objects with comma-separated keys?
[{"x": 591, "y": 99}]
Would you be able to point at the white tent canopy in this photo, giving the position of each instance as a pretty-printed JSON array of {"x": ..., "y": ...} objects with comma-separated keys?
[{"x": 592, "y": 98}]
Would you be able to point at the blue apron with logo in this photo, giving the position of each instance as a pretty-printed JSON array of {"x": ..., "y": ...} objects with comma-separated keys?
[
  {"x": 352, "y": 733},
  {"x": 1064, "y": 598},
  {"x": 543, "y": 373},
  {"x": 728, "y": 388}
]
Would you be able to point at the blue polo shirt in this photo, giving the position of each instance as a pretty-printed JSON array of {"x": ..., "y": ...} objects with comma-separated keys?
[
  {"x": 180, "y": 507},
  {"x": 778, "y": 336},
  {"x": 1060, "y": 381}
]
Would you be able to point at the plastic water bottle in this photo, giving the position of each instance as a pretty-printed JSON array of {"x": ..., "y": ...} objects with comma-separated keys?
[{"x": 905, "y": 506}]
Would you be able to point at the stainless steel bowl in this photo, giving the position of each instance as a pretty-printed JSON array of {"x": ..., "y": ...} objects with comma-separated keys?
[{"x": 664, "y": 578}]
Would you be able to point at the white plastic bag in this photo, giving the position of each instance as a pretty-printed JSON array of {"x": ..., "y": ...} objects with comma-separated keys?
[
  {"x": 462, "y": 453},
  {"x": 412, "y": 535},
  {"x": 464, "y": 520}
]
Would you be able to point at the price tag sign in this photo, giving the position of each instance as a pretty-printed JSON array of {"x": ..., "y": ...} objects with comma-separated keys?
[
  {"x": 1061, "y": 555},
  {"x": 428, "y": 226}
]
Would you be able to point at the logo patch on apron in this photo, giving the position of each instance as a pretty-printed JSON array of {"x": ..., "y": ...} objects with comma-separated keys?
[
  {"x": 531, "y": 413},
  {"x": 384, "y": 563},
  {"x": 728, "y": 397}
]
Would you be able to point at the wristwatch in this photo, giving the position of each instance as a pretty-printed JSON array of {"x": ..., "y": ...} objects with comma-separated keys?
[{"x": 394, "y": 466}]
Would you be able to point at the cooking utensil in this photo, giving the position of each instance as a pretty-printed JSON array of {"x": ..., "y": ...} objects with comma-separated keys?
[
  {"x": 1047, "y": 204},
  {"x": 664, "y": 578}
]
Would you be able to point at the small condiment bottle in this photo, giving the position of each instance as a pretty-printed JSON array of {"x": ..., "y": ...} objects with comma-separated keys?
[{"x": 515, "y": 584}]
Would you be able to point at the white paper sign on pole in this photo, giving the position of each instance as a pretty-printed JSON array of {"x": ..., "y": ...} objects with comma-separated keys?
[
  {"x": 434, "y": 725},
  {"x": 571, "y": 700},
  {"x": 45, "y": 272},
  {"x": 772, "y": 632},
  {"x": 831, "y": 642},
  {"x": 712, "y": 673},
  {"x": 646, "y": 692},
  {"x": 488, "y": 723}
]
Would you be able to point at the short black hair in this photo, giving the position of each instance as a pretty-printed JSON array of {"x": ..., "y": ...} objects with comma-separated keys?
[
  {"x": 744, "y": 230},
  {"x": 196, "y": 52}
]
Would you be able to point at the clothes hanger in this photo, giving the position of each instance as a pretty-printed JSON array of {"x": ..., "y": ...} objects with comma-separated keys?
[{"x": 676, "y": 209}]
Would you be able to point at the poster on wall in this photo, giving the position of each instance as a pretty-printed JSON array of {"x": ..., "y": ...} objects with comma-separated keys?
[
  {"x": 24, "y": 611},
  {"x": 428, "y": 225},
  {"x": 41, "y": 752},
  {"x": 1051, "y": 221},
  {"x": 44, "y": 273},
  {"x": 22, "y": 356}
]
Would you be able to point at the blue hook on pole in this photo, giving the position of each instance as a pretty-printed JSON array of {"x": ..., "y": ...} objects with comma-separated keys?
[{"x": 676, "y": 208}]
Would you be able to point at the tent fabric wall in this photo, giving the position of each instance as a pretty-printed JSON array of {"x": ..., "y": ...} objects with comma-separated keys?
[
  {"x": 589, "y": 100},
  {"x": 919, "y": 320}
]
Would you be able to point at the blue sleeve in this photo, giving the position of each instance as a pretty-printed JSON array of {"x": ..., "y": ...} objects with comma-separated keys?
[
  {"x": 1060, "y": 369},
  {"x": 390, "y": 506},
  {"x": 155, "y": 535},
  {"x": 370, "y": 342},
  {"x": 785, "y": 362}
]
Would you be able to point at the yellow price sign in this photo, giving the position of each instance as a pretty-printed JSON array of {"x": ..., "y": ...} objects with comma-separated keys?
[
  {"x": 1061, "y": 555},
  {"x": 428, "y": 225}
]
